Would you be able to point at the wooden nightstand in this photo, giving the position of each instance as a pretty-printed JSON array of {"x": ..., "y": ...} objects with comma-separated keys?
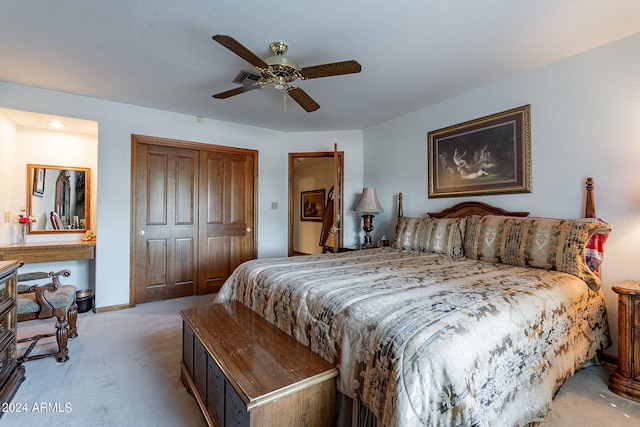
[{"x": 625, "y": 381}]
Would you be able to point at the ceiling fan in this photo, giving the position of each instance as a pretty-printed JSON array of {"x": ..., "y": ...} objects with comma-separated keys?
[{"x": 282, "y": 72}]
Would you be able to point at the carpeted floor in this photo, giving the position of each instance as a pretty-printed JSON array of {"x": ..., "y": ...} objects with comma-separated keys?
[
  {"x": 124, "y": 371},
  {"x": 584, "y": 400}
]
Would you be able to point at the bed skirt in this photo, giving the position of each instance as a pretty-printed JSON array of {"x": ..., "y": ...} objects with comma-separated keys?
[{"x": 351, "y": 413}]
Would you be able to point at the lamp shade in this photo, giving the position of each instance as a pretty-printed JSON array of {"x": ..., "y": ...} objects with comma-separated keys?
[{"x": 368, "y": 202}]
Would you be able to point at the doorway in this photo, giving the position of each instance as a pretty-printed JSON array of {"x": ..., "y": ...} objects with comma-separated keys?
[{"x": 314, "y": 172}]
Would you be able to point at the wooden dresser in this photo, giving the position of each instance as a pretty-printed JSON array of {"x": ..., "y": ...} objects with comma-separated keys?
[
  {"x": 625, "y": 381},
  {"x": 243, "y": 371},
  {"x": 11, "y": 375}
]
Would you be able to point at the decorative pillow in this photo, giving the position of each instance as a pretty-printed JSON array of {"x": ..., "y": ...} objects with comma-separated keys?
[
  {"x": 594, "y": 250},
  {"x": 437, "y": 235},
  {"x": 552, "y": 244}
]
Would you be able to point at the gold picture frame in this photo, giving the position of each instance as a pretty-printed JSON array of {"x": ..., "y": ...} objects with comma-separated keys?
[{"x": 489, "y": 155}]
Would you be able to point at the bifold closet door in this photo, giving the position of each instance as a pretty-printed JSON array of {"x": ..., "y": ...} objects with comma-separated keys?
[
  {"x": 166, "y": 222},
  {"x": 194, "y": 216},
  {"x": 227, "y": 228}
]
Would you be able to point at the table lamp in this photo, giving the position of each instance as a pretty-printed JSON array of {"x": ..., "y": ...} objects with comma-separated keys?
[{"x": 368, "y": 205}]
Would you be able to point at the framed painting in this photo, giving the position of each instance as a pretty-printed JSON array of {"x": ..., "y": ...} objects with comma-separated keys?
[
  {"x": 489, "y": 155},
  {"x": 312, "y": 205},
  {"x": 38, "y": 181}
]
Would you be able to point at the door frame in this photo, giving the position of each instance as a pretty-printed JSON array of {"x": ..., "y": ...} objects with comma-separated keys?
[
  {"x": 294, "y": 199},
  {"x": 154, "y": 140}
]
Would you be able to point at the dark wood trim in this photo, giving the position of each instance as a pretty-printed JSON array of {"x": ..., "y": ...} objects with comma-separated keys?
[
  {"x": 113, "y": 308},
  {"x": 168, "y": 142},
  {"x": 463, "y": 209}
]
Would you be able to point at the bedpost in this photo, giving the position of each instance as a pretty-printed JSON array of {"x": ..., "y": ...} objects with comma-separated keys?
[
  {"x": 400, "y": 212},
  {"x": 590, "y": 205}
]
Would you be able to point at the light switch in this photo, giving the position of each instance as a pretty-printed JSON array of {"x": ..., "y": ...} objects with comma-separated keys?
[
  {"x": 274, "y": 205},
  {"x": 7, "y": 217}
]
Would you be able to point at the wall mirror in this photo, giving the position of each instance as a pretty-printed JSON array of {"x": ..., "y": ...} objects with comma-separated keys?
[{"x": 58, "y": 197}]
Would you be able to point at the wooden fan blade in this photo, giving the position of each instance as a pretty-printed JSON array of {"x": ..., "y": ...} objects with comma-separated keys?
[
  {"x": 234, "y": 46},
  {"x": 303, "y": 99},
  {"x": 333, "y": 69},
  {"x": 236, "y": 91}
]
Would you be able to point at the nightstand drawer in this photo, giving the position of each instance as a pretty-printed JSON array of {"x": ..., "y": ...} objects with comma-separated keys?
[{"x": 636, "y": 312}]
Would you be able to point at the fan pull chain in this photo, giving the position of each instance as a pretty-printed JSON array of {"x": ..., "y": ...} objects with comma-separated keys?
[{"x": 284, "y": 102}]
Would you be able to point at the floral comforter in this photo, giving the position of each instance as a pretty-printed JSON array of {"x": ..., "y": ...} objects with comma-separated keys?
[{"x": 423, "y": 339}]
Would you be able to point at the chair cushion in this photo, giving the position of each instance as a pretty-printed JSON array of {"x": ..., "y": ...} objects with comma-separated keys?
[{"x": 62, "y": 298}]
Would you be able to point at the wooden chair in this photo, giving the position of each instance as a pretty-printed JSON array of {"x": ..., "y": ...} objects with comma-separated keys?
[
  {"x": 41, "y": 301},
  {"x": 56, "y": 222}
]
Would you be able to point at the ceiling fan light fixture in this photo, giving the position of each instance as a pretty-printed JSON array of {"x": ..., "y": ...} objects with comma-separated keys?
[{"x": 279, "y": 83}]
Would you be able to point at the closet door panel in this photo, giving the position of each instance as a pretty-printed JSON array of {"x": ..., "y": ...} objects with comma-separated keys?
[
  {"x": 228, "y": 236},
  {"x": 166, "y": 229}
]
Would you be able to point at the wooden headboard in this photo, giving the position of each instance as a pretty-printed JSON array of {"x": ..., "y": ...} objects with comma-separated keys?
[
  {"x": 460, "y": 210},
  {"x": 463, "y": 209}
]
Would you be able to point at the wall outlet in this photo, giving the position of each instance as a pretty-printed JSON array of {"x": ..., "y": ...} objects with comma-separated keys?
[{"x": 7, "y": 217}]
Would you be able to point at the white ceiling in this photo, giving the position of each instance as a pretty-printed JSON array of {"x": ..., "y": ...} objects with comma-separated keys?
[
  {"x": 44, "y": 121},
  {"x": 159, "y": 53}
]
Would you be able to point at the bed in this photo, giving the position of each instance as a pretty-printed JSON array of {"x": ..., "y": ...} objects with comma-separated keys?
[{"x": 474, "y": 316}]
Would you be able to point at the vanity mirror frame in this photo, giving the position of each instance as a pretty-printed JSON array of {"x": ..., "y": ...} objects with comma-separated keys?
[{"x": 34, "y": 190}]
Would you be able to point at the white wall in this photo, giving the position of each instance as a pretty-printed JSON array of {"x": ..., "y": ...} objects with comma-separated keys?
[
  {"x": 50, "y": 147},
  {"x": 8, "y": 147},
  {"x": 585, "y": 122},
  {"x": 55, "y": 148},
  {"x": 117, "y": 122}
]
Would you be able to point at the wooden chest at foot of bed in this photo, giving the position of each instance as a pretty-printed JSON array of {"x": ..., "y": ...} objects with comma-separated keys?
[{"x": 243, "y": 371}]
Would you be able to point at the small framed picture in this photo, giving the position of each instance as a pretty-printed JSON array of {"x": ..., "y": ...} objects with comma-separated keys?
[
  {"x": 312, "y": 205},
  {"x": 38, "y": 181}
]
